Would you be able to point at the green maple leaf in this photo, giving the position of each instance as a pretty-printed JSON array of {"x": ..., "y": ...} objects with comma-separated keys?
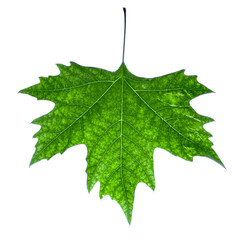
[{"x": 121, "y": 118}]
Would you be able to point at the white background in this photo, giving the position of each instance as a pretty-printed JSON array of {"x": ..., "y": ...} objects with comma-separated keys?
[{"x": 192, "y": 201}]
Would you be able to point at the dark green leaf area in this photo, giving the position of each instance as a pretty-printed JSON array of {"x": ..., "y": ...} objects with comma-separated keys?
[{"x": 121, "y": 118}]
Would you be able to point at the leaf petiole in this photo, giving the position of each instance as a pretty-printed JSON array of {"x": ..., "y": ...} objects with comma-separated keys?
[{"x": 124, "y": 9}]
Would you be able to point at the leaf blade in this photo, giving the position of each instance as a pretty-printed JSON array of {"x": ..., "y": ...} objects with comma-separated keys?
[{"x": 121, "y": 118}]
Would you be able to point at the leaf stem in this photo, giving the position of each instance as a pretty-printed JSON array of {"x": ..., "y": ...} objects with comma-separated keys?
[{"x": 124, "y": 9}]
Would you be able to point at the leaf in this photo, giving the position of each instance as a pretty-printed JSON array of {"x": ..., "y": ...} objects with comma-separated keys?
[{"x": 121, "y": 119}]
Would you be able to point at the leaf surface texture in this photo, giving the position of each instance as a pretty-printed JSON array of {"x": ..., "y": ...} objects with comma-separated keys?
[{"x": 121, "y": 118}]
